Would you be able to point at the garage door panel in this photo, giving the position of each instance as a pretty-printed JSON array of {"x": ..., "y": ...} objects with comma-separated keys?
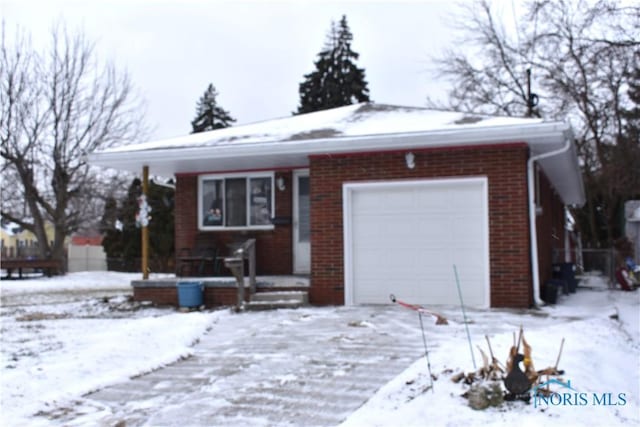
[
  {"x": 386, "y": 224},
  {"x": 388, "y": 265},
  {"x": 393, "y": 266},
  {"x": 405, "y": 238},
  {"x": 431, "y": 204},
  {"x": 462, "y": 199},
  {"x": 379, "y": 201},
  {"x": 429, "y": 230},
  {"x": 466, "y": 231}
]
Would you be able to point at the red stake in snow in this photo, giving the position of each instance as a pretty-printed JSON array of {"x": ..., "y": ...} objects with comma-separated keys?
[
  {"x": 421, "y": 311},
  {"x": 440, "y": 319}
]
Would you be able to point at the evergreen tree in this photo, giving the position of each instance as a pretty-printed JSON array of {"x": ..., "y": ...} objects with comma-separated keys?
[
  {"x": 336, "y": 81},
  {"x": 112, "y": 241},
  {"x": 122, "y": 241},
  {"x": 122, "y": 235},
  {"x": 210, "y": 116},
  {"x": 161, "y": 226}
]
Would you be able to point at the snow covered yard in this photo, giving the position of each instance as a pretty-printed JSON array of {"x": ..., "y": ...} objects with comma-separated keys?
[
  {"x": 63, "y": 337},
  {"x": 601, "y": 360}
]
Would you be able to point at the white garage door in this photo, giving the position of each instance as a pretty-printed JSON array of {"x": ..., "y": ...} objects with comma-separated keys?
[{"x": 404, "y": 238}]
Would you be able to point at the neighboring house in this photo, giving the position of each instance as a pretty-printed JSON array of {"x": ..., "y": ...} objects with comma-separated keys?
[
  {"x": 374, "y": 199},
  {"x": 16, "y": 242},
  {"x": 7, "y": 242}
]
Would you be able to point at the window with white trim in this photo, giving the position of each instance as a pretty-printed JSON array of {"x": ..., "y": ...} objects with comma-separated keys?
[{"x": 235, "y": 201}]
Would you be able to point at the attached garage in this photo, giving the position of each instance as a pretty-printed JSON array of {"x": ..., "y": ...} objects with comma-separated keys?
[{"x": 404, "y": 237}]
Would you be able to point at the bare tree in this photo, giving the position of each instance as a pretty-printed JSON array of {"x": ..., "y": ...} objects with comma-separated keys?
[
  {"x": 580, "y": 54},
  {"x": 56, "y": 106}
]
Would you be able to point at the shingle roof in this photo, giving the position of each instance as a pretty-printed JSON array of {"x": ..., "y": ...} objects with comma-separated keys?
[
  {"x": 358, "y": 120},
  {"x": 359, "y": 128}
]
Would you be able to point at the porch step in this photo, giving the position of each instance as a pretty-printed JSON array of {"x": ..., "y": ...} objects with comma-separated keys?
[{"x": 275, "y": 300}]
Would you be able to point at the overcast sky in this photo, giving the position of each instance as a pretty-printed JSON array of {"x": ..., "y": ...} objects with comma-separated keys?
[{"x": 254, "y": 52}]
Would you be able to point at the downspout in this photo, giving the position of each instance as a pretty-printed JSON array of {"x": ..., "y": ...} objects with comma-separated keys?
[{"x": 533, "y": 230}]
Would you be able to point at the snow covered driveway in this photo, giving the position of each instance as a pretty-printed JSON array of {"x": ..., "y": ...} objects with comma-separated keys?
[
  {"x": 85, "y": 361},
  {"x": 290, "y": 367}
]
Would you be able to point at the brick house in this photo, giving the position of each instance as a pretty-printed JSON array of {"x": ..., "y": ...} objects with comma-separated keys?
[{"x": 374, "y": 199}]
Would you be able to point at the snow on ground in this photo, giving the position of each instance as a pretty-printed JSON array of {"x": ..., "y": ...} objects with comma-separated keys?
[
  {"x": 83, "y": 281},
  {"x": 63, "y": 337},
  {"x": 600, "y": 357}
]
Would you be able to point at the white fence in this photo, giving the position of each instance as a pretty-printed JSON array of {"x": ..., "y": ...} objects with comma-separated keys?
[{"x": 86, "y": 258}]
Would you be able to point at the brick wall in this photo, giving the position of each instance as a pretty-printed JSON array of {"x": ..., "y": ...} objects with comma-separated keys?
[
  {"x": 550, "y": 228},
  {"x": 505, "y": 168},
  {"x": 159, "y": 295},
  {"x": 214, "y": 295},
  {"x": 168, "y": 295},
  {"x": 217, "y": 296},
  {"x": 273, "y": 247}
]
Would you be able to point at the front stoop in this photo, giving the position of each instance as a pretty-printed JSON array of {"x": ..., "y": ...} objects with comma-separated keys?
[{"x": 275, "y": 300}]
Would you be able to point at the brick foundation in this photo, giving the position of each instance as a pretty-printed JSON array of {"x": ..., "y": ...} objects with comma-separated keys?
[
  {"x": 218, "y": 295},
  {"x": 157, "y": 295}
]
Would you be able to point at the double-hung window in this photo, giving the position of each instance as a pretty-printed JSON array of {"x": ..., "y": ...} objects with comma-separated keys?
[{"x": 235, "y": 201}]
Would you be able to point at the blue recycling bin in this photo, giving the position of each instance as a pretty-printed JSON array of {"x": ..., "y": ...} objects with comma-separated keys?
[{"x": 190, "y": 294}]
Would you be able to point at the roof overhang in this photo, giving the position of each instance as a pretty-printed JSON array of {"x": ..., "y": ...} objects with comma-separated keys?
[{"x": 562, "y": 170}]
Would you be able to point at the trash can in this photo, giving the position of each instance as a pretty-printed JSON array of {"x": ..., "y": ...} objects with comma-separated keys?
[
  {"x": 565, "y": 271},
  {"x": 550, "y": 290},
  {"x": 190, "y": 294}
]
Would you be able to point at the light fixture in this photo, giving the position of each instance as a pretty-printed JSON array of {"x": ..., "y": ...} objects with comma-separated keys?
[
  {"x": 280, "y": 184},
  {"x": 410, "y": 159}
]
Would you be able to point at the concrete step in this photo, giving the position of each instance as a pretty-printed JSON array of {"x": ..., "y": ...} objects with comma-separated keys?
[
  {"x": 300, "y": 296},
  {"x": 275, "y": 300},
  {"x": 271, "y": 305}
]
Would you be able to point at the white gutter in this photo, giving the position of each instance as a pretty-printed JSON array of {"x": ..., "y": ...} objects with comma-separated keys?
[{"x": 532, "y": 217}]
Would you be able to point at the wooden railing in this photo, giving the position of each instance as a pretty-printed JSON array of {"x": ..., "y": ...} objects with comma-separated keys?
[{"x": 246, "y": 251}]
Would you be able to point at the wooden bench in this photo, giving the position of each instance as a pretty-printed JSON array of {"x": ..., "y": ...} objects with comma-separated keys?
[{"x": 49, "y": 266}]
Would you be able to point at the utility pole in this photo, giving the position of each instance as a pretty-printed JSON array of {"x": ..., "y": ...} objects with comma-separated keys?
[
  {"x": 532, "y": 98},
  {"x": 145, "y": 224}
]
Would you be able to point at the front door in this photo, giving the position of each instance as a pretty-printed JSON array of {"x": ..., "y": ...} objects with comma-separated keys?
[{"x": 301, "y": 223}]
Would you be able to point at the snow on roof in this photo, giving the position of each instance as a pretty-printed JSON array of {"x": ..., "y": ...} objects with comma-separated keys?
[
  {"x": 364, "y": 119},
  {"x": 360, "y": 128}
]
